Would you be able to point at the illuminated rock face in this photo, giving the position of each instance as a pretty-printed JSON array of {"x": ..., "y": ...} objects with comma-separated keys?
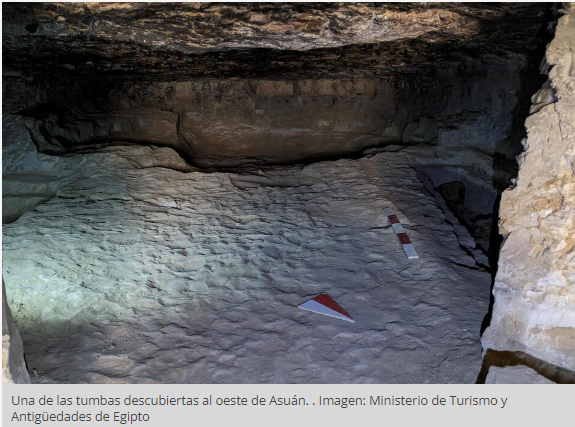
[
  {"x": 97, "y": 95},
  {"x": 154, "y": 275},
  {"x": 534, "y": 289}
]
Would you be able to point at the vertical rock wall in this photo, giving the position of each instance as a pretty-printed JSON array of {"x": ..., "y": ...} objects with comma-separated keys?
[
  {"x": 13, "y": 365},
  {"x": 534, "y": 288},
  {"x": 230, "y": 122}
]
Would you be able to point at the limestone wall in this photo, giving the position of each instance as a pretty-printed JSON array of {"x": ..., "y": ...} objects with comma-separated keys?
[
  {"x": 13, "y": 365},
  {"x": 534, "y": 289},
  {"x": 224, "y": 122}
]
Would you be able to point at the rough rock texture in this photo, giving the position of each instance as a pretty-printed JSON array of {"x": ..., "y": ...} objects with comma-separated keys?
[
  {"x": 90, "y": 75},
  {"x": 233, "y": 122},
  {"x": 515, "y": 375},
  {"x": 238, "y": 122},
  {"x": 28, "y": 177},
  {"x": 153, "y": 275},
  {"x": 114, "y": 95},
  {"x": 274, "y": 40},
  {"x": 534, "y": 289},
  {"x": 234, "y": 85},
  {"x": 13, "y": 364}
]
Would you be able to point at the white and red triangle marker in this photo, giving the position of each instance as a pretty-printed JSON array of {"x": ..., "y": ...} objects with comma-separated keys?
[{"x": 324, "y": 304}]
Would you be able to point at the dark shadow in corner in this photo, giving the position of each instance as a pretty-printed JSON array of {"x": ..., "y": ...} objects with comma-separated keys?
[{"x": 505, "y": 166}]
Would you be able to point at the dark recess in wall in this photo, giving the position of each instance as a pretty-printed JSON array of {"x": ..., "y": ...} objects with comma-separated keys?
[{"x": 532, "y": 79}]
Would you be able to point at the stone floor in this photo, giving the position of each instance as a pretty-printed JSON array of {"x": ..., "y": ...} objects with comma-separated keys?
[{"x": 158, "y": 276}]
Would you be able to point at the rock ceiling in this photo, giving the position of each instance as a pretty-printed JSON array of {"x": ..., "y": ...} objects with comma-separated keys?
[{"x": 279, "y": 40}]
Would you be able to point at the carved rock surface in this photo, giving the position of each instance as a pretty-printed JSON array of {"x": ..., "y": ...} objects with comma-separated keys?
[
  {"x": 214, "y": 123},
  {"x": 534, "y": 289}
]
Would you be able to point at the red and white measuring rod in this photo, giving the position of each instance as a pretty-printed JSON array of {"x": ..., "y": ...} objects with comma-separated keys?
[{"x": 401, "y": 234}]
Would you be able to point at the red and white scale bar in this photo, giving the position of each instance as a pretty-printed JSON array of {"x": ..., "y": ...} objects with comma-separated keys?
[{"x": 401, "y": 234}]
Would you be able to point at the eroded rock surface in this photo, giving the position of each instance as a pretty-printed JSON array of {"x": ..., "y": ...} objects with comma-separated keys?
[
  {"x": 146, "y": 268},
  {"x": 225, "y": 84},
  {"x": 235, "y": 85},
  {"x": 534, "y": 289},
  {"x": 218, "y": 123},
  {"x": 231, "y": 40},
  {"x": 153, "y": 275}
]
